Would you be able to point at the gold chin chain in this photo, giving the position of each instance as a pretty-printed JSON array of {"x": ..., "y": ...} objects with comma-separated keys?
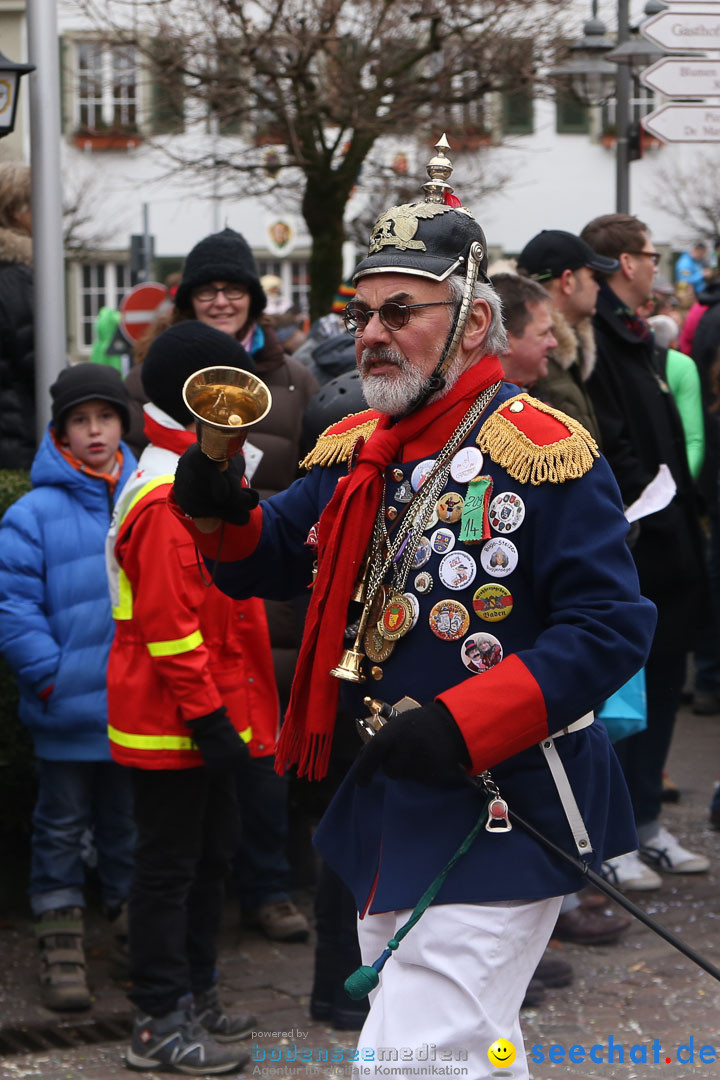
[{"x": 373, "y": 630}]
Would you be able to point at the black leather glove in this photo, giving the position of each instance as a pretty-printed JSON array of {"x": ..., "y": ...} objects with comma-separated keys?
[
  {"x": 204, "y": 491},
  {"x": 422, "y": 744},
  {"x": 217, "y": 740}
]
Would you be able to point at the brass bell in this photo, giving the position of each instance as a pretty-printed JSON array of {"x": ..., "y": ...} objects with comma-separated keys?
[
  {"x": 225, "y": 402},
  {"x": 349, "y": 666}
]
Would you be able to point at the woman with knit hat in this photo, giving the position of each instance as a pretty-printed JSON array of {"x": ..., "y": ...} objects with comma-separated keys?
[{"x": 221, "y": 288}]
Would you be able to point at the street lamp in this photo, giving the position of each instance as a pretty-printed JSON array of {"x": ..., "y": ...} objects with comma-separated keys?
[
  {"x": 10, "y": 74},
  {"x": 597, "y": 71}
]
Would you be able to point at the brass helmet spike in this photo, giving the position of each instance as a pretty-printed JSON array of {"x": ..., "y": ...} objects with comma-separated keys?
[{"x": 439, "y": 169}]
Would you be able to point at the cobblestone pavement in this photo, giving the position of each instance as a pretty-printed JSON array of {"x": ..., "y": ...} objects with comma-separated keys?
[{"x": 637, "y": 994}]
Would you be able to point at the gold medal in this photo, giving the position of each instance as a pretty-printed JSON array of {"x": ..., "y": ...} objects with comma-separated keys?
[
  {"x": 376, "y": 647},
  {"x": 396, "y": 618}
]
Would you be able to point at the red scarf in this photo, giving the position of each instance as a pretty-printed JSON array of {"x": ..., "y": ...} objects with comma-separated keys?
[{"x": 344, "y": 533}]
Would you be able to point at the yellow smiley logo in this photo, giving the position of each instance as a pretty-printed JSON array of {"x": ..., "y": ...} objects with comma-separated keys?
[{"x": 501, "y": 1052}]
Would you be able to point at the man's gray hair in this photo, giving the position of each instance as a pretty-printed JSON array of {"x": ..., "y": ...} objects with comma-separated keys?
[{"x": 496, "y": 341}]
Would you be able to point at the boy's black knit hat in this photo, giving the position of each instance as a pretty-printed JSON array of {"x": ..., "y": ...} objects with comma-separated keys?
[
  {"x": 88, "y": 382},
  {"x": 224, "y": 256},
  {"x": 178, "y": 353}
]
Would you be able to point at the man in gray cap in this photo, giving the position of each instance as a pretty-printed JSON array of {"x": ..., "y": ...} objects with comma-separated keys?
[
  {"x": 416, "y": 515},
  {"x": 567, "y": 267}
]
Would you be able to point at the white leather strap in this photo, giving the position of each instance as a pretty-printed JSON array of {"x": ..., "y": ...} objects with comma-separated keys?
[{"x": 569, "y": 805}]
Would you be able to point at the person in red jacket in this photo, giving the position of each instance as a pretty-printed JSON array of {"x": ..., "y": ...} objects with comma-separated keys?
[{"x": 190, "y": 693}]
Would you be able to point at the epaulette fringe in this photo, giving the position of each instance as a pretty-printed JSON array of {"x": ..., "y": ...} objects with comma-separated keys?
[
  {"x": 526, "y": 461},
  {"x": 333, "y": 447}
]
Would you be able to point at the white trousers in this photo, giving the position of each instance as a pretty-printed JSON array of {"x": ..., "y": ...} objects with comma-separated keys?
[{"x": 453, "y": 987}]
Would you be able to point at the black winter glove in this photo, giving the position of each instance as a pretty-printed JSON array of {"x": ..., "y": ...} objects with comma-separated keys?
[
  {"x": 422, "y": 744},
  {"x": 204, "y": 491},
  {"x": 217, "y": 740}
]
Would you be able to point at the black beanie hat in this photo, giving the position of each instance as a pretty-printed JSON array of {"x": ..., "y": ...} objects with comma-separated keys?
[
  {"x": 88, "y": 382},
  {"x": 179, "y": 352},
  {"x": 224, "y": 256}
]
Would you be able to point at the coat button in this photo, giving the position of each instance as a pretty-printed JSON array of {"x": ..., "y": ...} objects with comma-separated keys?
[
  {"x": 391, "y": 513},
  {"x": 516, "y": 406},
  {"x": 397, "y": 474}
]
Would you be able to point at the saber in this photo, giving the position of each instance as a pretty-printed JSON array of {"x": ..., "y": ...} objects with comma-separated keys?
[{"x": 600, "y": 883}]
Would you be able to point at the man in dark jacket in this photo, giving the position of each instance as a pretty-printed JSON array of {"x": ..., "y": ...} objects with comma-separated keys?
[
  {"x": 17, "y": 358},
  {"x": 641, "y": 430},
  {"x": 566, "y": 266}
]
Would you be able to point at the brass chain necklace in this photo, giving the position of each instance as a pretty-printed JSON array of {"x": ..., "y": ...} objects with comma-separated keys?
[{"x": 401, "y": 550}]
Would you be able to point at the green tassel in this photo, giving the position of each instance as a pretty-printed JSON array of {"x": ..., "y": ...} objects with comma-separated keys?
[{"x": 361, "y": 982}]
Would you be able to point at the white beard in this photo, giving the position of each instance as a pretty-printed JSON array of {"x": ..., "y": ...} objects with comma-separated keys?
[{"x": 394, "y": 394}]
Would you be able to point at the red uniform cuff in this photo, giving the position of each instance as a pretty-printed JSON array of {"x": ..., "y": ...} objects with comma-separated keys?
[
  {"x": 499, "y": 712},
  {"x": 238, "y": 541}
]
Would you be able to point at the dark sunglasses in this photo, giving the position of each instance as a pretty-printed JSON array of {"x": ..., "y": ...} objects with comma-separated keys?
[{"x": 393, "y": 316}]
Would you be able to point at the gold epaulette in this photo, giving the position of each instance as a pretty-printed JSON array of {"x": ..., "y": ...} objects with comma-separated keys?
[
  {"x": 337, "y": 441},
  {"x": 537, "y": 444}
]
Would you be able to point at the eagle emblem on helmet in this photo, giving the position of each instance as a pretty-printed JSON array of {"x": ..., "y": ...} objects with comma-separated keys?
[{"x": 398, "y": 225}]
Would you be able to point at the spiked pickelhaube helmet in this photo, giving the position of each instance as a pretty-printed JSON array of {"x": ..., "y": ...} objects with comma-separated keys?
[{"x": 434, "y": 238}]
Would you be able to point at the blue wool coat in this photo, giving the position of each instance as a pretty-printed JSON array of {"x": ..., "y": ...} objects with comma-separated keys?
[
  {"x": 56, "y": 625},
  {"x": 578, "y": 629}
]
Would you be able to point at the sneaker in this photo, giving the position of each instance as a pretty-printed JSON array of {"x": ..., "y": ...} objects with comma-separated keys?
[
  {"x": 223, "y": 1026},
  {"x": 280, "y": 921},
  {"x": 664, "y": 852},
  {"x": 178, "y": 1043},
  {"x": 63, "y": 979},
  {"x": 629, "y": 873}
]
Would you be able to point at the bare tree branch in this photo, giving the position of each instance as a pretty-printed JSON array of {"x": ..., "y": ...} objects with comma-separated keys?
[{"x": 320, "y": 82}]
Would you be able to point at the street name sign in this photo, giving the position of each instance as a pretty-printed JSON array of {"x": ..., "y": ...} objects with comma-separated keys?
[
  {"x": 686, "y": 30},
  {"x": 683, "y": 77},
  {"x": 684, "y": 123}
]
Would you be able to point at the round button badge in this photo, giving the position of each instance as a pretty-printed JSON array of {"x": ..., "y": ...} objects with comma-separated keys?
[
  {"x": 422, "y": 554},
  {"x": 415, "y": 605},
  {"x": 457, "y": 570},
  {"x": 449, "y": 620},
  {"x": 507, "y": 511},
  {"x": 480, "y": 652},
  {"x": 450, "y": 507},
  {"x": 498, "y": 557},
  {"x": 466, "y": 464},
  {"x": 421, "y": 472},
  {"x": 442, "y": 541},
  {"x": 492, "y": 602},
  {"x": 423, "y": 582}
]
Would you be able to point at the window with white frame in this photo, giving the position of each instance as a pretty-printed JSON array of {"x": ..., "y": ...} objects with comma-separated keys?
[
  {"x": 101, "y": 285},
  {"x": 107, "y": 87}
]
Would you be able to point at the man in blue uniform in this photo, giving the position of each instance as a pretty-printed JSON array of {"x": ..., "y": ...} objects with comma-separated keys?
[{"x": 454, "y": 518}]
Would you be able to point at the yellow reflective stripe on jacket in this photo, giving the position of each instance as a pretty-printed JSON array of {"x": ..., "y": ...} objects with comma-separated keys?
[
  {"x": 161, "y": 742},
  {"x": 174, "y": 647},
  {"x": 123, "y": 610}
]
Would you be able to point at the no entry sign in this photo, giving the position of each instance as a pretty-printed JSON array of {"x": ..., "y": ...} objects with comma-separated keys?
[{"x": 139, "y": 307}]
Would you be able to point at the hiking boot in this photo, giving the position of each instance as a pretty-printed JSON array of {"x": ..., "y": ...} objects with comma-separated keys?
[
  {"x": 223, "y": 1026},
  {"x": 63, "y": 981},
  {"x": 666, "y": 853},
  {"x": 280, "y": 921},
  {"x": 629, "y": 873},
  {"x": 177, "y": 1043}
]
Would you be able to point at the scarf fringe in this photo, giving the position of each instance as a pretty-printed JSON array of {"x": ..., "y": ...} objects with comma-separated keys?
[
  {"x": 311, "y": 752},
  {"x": 567, "y": 459},
  {"x": 333, "y": 447}
]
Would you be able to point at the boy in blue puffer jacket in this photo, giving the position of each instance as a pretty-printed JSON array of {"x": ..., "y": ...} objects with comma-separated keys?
[{"x": 56, "y": 629}]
